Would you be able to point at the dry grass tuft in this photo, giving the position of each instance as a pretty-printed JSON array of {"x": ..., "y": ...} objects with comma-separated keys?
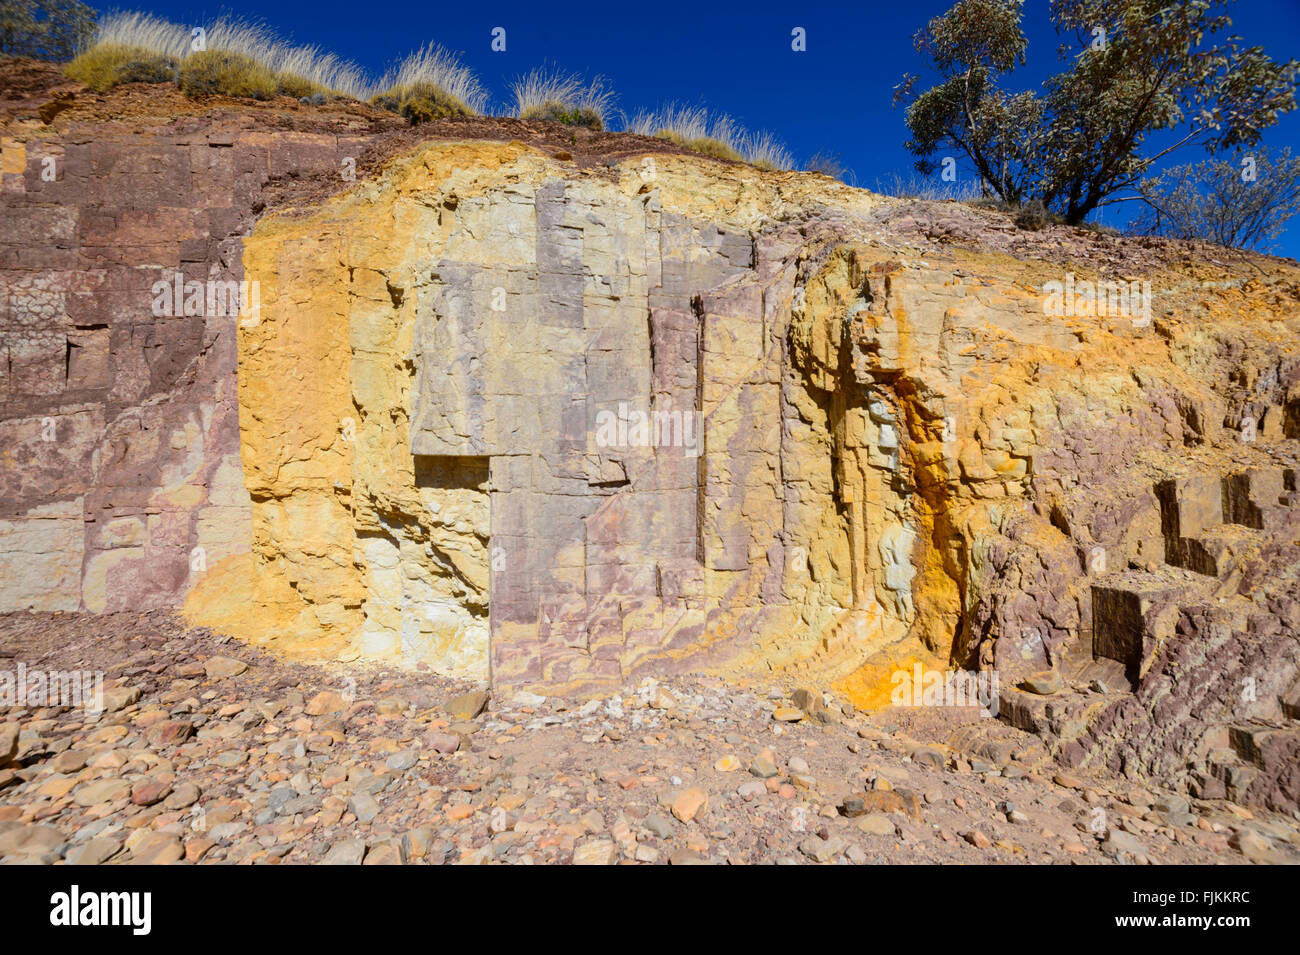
[
  {"x": 243, "y": 58},
  {"x": 106, "y": 65},
  {"x": 928, "y": 187},
  {"x": 716, "y": 135},
  {"x": 429, "y": 84},
  {"x": 230, "y": 74},
  {"x": 765, "y": 151},
  {"x": 562, "y": 98},
  {"x": 138, "y": 47}
]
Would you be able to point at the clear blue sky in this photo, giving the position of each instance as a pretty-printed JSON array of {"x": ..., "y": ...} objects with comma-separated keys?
[{"x": 836, "y": 97}]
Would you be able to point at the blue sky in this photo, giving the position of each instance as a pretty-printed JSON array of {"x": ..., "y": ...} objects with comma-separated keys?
[{"x": 836, "y": 97}]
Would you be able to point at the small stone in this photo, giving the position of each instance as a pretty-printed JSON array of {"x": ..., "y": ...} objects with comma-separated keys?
[
  {"x": 892, "y": 800},
  {"x": 324, "y": 703},
  {"x": 70, "y": 761},
  {"x": 445, "y": 743},
  {"x": 8, "y": 743},
  {"x": 787, "y": 714},
  {"x": 401, "y": 761},
  {"x": 877, "y": 824},
  {"x": 1043, "y": 683},
  {"x": 183, "y": 796},
  {"x": 102, "y": 791},
  {"x": 661, "y": 826},
  {"x": 727, "y": 764},
  {"x": 690, "y": 803},
  {"x": 120, "y": 697},
  {"x": 149, "y": 792},
  {"x": 33, "y": 841},
  {"x": 390, "y": 852},
  {"x": 219, "y": 668},
  {"x": 977, "y": 839},
  {"x": 595, "y": 852},
  {"x": 196, "y": 849},
  {"x": 58, "y": 786},
  {"x": 348, "y": 852},
  {"x": 170, "y": 733},
  {"x": 97, "y": 851},
  {"x": 466, "y": 706},
  {"x": 364, "y": 807},
  {"x": 159, "y": 848}
]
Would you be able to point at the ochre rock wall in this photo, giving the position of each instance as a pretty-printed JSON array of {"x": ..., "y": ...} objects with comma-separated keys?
[
  {"x": 482, "y": 311},
  {"x": 865, "y": 445},
  {"x": 121, "y": 479},
  {"x": 896, "y": 441}
]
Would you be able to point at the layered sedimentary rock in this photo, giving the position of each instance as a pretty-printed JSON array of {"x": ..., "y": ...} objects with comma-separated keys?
[
  {"x": 121, "y": 479},
  {"x": 507, "y": 416},
  {"x": 494, "y": 401},
  {"x": 884, "y": 447}
]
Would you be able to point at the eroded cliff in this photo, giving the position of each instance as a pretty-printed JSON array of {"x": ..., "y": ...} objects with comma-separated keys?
[{"x": 565, "y": 423}]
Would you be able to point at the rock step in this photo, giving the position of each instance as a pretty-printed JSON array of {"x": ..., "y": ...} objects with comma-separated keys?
[
  {"x": 1253, "y": 497},
  {"x": 1221, "y": 552},
  {"x": 1257, "y": 748},
  {"x": 1134, "y": 612},
  {"x": 1202, "y": 517},
  {"x": 1290, "y": 702}
]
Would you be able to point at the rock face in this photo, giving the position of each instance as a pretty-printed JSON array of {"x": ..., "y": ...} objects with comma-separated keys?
[
  {"x": 121, "y": 480},
  {"x": 566, "y": 393},
  {"x": 522, "y": 420}
]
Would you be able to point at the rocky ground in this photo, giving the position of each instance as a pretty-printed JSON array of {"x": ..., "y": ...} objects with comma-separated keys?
[{"x": 210, "y": 751}]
